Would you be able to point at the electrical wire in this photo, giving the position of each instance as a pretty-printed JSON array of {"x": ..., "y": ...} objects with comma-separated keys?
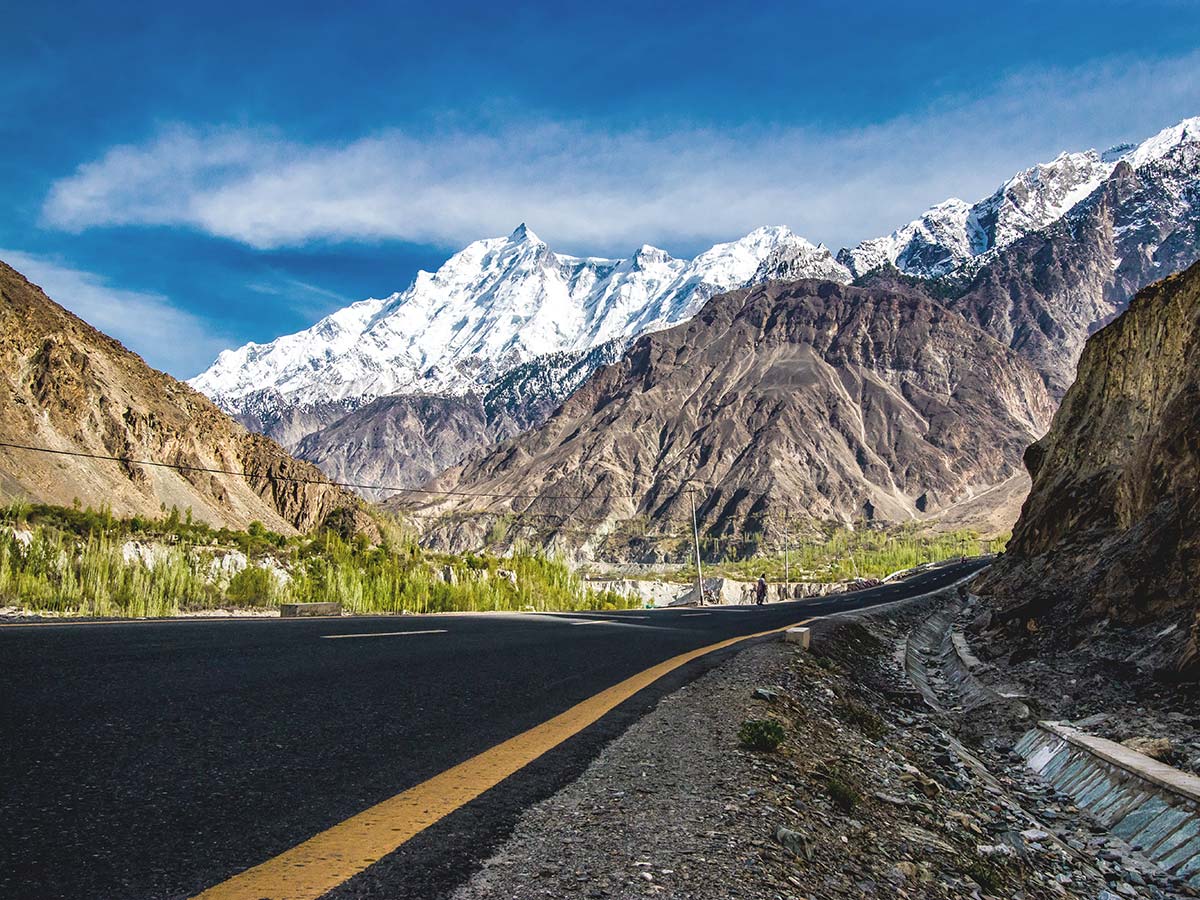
[
  {"x": 184, "y": 467},
  {"x": 518, "y": 517}
]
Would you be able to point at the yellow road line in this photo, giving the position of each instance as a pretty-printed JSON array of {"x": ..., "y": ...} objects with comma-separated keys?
[{"x": 335, "y": 855}]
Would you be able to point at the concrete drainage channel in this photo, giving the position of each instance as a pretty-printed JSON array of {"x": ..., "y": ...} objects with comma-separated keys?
[
  {"x": 936, "y": 641},
  {"x": 1151, "y": 806}
]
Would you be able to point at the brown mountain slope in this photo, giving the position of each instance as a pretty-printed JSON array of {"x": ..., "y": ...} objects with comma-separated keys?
[
  {"x": 66, "y": 386},
  {"x": 404, "y": 440},
  {"x": 832, "y": 401},
  {"x": 1111, "y": 530},
  {"x": 399, "y": 441}
]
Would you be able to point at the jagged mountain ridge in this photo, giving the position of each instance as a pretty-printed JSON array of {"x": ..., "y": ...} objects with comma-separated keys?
[
  {"x": 1109, "y": 537},
  {"x": 495, "y": 305},
  {"x": 1044, "y": 294},
  {"x": 66, "y": 386},
  {"x": 832, "y": 400},
  {"x": 954, "y": 232},
  {"x": 1037, "y": 279}
]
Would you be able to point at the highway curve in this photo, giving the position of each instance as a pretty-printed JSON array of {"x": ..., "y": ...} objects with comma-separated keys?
[{"x": 161, "y": 759}]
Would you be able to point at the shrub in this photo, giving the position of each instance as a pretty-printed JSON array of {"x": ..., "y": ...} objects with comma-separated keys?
[
  {"x": 824, "y": 662},
  {"x": 253, "y": 586},
  {"x": 986, "y": 876},
  {"x": 761, "y": 734},
  {"x": 863, "y": 717},
  {"x": 842, "y": 793},
  {"x": 497, "y": 532}
]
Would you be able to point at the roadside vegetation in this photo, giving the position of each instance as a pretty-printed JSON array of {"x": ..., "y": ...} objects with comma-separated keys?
[
  {"x": 76, "y": 561},
  {"x": 762, "y": 734},
  {"x": 844, "y": 554}
]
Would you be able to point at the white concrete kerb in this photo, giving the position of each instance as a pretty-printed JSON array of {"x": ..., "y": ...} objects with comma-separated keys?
[
  {"x": 1158, "y": 773},
  {"x": 801, "y": 636}
]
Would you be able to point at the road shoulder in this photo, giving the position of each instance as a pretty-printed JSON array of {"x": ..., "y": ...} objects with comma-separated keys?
[{"x": 867, "y": 796}]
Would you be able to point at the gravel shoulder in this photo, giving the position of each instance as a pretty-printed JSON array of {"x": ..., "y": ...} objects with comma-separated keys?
[{"x": 869, "y": 795}]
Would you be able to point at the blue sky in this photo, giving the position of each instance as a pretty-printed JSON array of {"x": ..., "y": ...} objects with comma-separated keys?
[{"x": 193, "y": 176}]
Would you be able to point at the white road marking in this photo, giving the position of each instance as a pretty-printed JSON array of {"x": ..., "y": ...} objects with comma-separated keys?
[
  {"x": 685, "y": 615},
  {"x": 334, "y": 637},
  {"x": 596, "y": 622}
]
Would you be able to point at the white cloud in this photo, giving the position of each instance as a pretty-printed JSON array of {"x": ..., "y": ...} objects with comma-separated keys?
[
  {"x": 586, "y": 189},
  {"x": 165, "y": 336}
]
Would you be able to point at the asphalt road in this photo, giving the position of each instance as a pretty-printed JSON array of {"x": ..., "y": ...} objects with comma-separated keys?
[{"x": 155, "y": 759}]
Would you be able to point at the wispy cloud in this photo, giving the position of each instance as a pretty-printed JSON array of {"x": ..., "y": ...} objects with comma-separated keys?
[
  {"x": 301, "y": 296},
  {"x": 586, "y": 188},
  {"x": 167, "y": 337}
]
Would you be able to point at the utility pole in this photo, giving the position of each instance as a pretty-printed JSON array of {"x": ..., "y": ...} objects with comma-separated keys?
[
  {"x": 787, "y": 559},
  {"x": 696, "y": 541}
]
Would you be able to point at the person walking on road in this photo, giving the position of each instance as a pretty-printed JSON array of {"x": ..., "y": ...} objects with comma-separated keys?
[{"x": 760, "y": 590}]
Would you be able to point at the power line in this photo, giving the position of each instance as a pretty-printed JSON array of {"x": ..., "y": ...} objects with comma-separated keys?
[
  {"x": 519, "y": 517},
  {"x": 183, "y": 467}
]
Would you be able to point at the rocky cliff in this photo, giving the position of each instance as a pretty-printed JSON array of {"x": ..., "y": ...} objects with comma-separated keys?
[
  {"x": 831, "y": 401},
  {"x": 1110, "y": 535},
  {"x": 66, "y": 386}
]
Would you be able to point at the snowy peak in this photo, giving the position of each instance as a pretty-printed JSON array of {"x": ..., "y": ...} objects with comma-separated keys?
[
  {"x": 648, "y": 257},
  {"x": 1158, "y": 146},
  {"x": 935, "y": 243},
  {"x": 496, "y": 304},
  {"x": 1034, "y": 198},
  {"x": 947, "y": 235},
  {"x": 522, "y": 233},
  {"x": 951, "y": 233}
]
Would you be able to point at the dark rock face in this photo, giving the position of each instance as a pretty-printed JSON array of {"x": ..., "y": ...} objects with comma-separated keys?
[
  {"x": 67, "y": 386},
  {"x": 1111, "y": 529},
  {"x": 810, "y": 395},
  {"x": 525, "y": 397}
]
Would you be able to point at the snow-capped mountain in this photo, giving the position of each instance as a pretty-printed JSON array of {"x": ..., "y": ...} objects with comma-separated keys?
[
  {"x": 502, "y": 302},
  {"x": 394, "y": 390},
  {"x": 953, "y": 232},
  {"x": 1046, "y": 293},
  {"x": 493, "y": 306}
]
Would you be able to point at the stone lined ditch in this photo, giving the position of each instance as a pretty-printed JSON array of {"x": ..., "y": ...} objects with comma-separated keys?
[
  {"x": 1138, "y": 818},
  {"x": 1151, "y": 806}
]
